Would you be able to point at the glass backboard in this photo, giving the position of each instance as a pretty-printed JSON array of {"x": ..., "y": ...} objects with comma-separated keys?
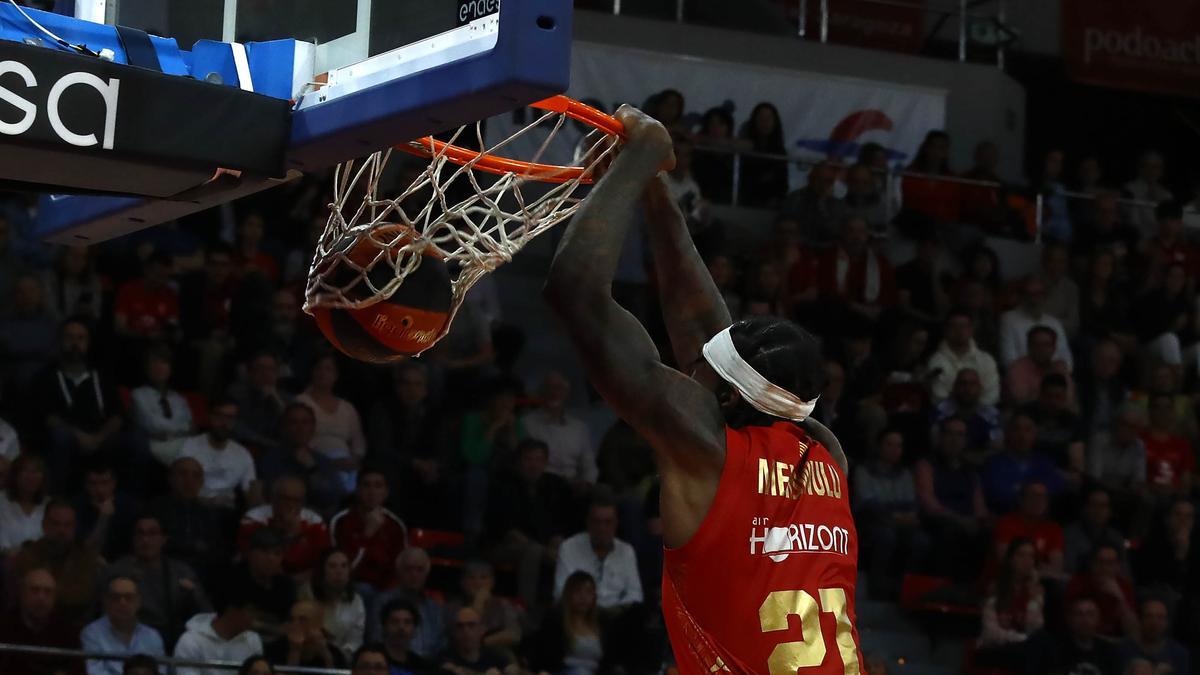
[{"x": 346, "y": 31}]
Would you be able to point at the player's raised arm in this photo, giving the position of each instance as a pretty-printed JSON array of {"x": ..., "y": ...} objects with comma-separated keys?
[
  {"x": 693, "y": 308},
  {"x": 678, "y": 416}
]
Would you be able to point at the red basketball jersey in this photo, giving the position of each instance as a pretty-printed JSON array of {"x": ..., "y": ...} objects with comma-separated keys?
[{"x": 766, "y": 585}]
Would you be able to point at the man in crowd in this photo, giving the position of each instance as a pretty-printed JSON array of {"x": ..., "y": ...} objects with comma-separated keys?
[
  {"x": 1152, "y": 640},
  {"x": 467, "y": 655},
  {"x": 35, "y": 623},
  {"x": 76, "y": 567},
  {"x": 1060, "y": 431},
  {"x": 406, "y": 438},
  {"x": 168, "y": 589},
  {"x": 1026, "y": 373},
  {"x": 957, "y": 352},
  {"x": 1016, "y": 323},
  {"x": 984, "y": 432},
  {"x": 571, "y": 453},
  {"x": 370, "y": 535},
  {"x": 1032, "y": 522},
  {"x": 227, "y": 635},
  {"x": 192, "y": 527},
  {"x": 118, "y": 631},
  {"x": 302, "y": 530},
  {"x": 295, "y": 456},
  {"x": 1094, "y": 528},
  {"x": 529, "y": 513},
  {"x": 260, "y": 403},
  {"x": 105, "y": 516},
  {"x": 1113, "y": 592},
  {"x": 609, "y": 560},
  {"x": 1005, "y": 474},
  {"x": 400, "y": 620},
  {"x": 1170, "y": 461},
  {"x": 412, "y": 570},
  {"x": 80, "y": 407},
  {"x": 261, "y": 576},
  {"x": 148, "y": 307},
  {"x": 228, "y": 466},
  {"x": 1083, "y": 650}
]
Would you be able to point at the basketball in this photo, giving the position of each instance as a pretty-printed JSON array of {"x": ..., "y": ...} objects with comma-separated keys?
[{"x": 404, "y": 324}]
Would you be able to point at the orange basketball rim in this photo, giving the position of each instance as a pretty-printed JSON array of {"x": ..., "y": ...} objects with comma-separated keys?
[{"x": 546, "y": 173}]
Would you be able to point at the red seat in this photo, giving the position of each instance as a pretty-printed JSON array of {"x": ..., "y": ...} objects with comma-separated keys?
[
  {"x": 126, "y": 398},
  {"x": 198, "y": 404},
  {"x": 916, "y": 588},
  {"x": 428, "y": 539}
]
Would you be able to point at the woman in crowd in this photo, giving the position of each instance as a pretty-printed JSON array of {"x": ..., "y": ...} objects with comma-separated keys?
[
  {"x": 339, "y": 427},
  {"x": 1104, "y": 304},
  {"x": 23, "y": 503},
  {"x": 1013, "y": 609},
  {"x": 1161, "y": 316},
  {"x": 764, "y": 181},
  {"x": 930, "y": 201},
  {"x": 570, "y": 641},
  {"x": 159, "y": 412},
  {"x": 344, "y": 613},
  {"x": 501, "y": 619},
  {"x": 713, "y": 170}
]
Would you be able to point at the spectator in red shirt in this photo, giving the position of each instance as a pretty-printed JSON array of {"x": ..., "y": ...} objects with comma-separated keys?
[
  {"x": 302, "y": 529},
  {"x": 148, "y": 307},
  {"x": 855, "y": 282},
  {"x": 1030, "y": 522},
  {"x": 369, "y": 534},
  {"x": 1113, "y": 593},
  {"x": 1169, "y": 458},
  {"x": 250, "y": 257}
]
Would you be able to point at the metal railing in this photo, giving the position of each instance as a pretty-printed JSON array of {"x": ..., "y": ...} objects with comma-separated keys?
[
  {"x": 169, "y": 662},
  {"x": 961, "y": 11},
  {"x": 892, "y": 178}
]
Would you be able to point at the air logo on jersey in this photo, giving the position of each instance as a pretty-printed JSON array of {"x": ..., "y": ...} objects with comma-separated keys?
[
  {"x": 777, "y": 543},
  {"x": 817, "y": 479}
]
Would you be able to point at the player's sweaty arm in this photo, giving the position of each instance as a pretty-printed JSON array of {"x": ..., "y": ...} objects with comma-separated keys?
[
  {"x": 693, "y": 308},
  {"x": 678, "y": 416}
]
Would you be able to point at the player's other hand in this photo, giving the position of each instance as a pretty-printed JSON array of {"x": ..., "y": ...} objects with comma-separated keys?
[{"x": 643, "y": 131}]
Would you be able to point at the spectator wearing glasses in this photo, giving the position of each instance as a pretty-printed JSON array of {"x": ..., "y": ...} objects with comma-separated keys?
[
  {"x": 467, "y": 654},
  {"x": 118, "y": 631},
  {"x": 169, "y": 590},
  {"x": 301, "y": 529},
  {"x": 159, "y": 412}
]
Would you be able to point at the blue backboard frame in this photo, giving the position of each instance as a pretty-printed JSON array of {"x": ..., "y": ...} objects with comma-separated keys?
[{"x": 530, "y": 61}]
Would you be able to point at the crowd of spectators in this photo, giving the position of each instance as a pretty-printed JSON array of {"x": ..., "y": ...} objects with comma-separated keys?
[{"x": 188, "y": 469}]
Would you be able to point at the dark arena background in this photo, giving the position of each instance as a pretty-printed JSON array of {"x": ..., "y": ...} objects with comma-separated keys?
[{"x": 988, "y": 211}]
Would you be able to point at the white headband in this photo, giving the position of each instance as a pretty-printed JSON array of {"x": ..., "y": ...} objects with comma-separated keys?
[{"x": 757, "y": 390}]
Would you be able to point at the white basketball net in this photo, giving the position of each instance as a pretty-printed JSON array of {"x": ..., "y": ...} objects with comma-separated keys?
[{"x": 475, "y": 235}]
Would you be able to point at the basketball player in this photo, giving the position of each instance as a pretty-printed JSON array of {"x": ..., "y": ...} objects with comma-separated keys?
[{"x": 761, "y": 552}]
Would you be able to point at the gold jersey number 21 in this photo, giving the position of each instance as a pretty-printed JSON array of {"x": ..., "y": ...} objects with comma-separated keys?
[{"x": 788, "y": 657}]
